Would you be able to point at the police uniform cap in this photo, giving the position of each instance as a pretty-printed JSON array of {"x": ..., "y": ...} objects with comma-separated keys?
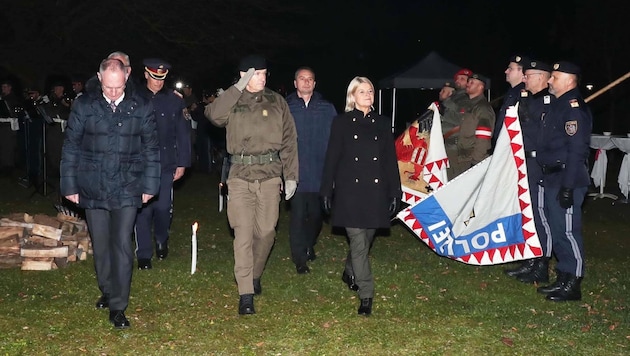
[
  {"x": 449, "y": 85},
  {"x": 157, "y": 68},
  {"x": 536, "y": 64},
  {"x": 464, "y": 71},
  {"x": 252, "y": 61},
  {"x": 480, "y": 77},
  {"x": 566, "y": 67},
  {"x": 520, "y": 60}
]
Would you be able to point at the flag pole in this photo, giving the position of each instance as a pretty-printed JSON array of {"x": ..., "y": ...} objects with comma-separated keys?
[{"x": 607, "y": 87}]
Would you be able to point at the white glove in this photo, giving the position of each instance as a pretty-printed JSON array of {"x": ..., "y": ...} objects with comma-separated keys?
[
  {"x": 289, "y": 189},
  {"x": 242, "y": 83}
]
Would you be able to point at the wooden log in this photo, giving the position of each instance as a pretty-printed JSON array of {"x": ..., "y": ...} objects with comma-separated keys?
[
  {"x": 72, "y": 254},
  {"x": 7, "y": 232},
  {"x": 47, "y": 220},
  {"x": 10, "y": 261},
  {"x": 61, "y": 251},
  {"x": 81, "y": 254},
  {"x": 37, "y": 264},
  {"x": 68, "y": 228},
  {"x": 15, "y": 249},
  {"x": 84, "y": 244},
  {"x": 46, "y": 231},
  {"x": 9, "y": 222},
  {"x": 61, "y": 262},
  {"x": 8, "y": 242},
  {"x": 69, "y": 243},
  {"x": 41, "y": 241}
]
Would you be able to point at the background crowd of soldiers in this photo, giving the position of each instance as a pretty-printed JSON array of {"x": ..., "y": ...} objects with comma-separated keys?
[{"x": 33, "y": 122}]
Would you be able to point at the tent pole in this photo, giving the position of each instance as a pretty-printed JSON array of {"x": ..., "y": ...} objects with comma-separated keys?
[{"x": 393, "y": 109}]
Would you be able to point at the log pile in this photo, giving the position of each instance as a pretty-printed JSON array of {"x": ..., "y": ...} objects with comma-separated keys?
[{"x": 42, "y": 242}]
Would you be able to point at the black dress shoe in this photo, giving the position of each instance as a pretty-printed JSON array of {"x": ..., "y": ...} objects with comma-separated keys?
[
  {"x": 161, "y": 250},
  {"x": 246, "y": 304},
  {"x": 570, "y": 290},
  {"x": 144, "y": 263},
  {"x": 302, "y": 269},
  {"x": 523, "y": 268},
  {"x": 349, "y": 280},
  {"x": 118, "y": 318},
  {"x": 310, "y": 254},
  {"x": 365, "y": 308},
  {"x": 257, "y": 286},
  {"x": 103, "y": 302}
]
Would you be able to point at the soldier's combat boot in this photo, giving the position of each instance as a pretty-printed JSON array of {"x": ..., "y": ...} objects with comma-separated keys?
[
  {"x": 539, "y": 272},
  {"x": 524, "y": 267},
  {"x": 571, "y": 290},
  {"x": 555, "y": 286}
]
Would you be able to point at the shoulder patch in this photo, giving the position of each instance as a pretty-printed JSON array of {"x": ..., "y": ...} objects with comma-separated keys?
[
  {"x": 574, "y": 103},
  {"x": 571, "y": 127}
]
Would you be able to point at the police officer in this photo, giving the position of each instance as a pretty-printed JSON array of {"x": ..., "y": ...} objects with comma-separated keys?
[
  {"x": 535, "y": 101},
  {"x": 475, "y": 129},
  {"x": 262, "y": 142},
  {"x": 514, "y": 77},
  {"x": 563, "y": 152},
  {"x": 175, "y": 156}
]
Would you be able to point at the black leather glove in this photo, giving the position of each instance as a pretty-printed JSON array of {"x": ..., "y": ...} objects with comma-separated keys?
[
  {"x": 393, "y": 206},
  {"x": 565, "y": 197},
  {"x": 327, "y": 205}
]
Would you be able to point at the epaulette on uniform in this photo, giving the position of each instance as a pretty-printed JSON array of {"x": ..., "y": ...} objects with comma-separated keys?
[{"x": 574, "y": 103}]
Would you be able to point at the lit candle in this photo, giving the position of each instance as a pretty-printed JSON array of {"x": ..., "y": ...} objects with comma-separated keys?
[{"x": 193, "y": 263}]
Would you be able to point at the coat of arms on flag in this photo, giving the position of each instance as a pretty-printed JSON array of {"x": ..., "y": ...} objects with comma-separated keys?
[
  {"x": 484, "y": 216},
  {"x": 421, "y": 156}
]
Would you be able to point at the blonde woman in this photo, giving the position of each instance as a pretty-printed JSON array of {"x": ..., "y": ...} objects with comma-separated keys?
[{"x": 360, "y": 184}]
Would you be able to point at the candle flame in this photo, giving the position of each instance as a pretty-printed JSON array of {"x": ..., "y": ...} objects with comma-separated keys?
[{"x": 194, "y": 227}]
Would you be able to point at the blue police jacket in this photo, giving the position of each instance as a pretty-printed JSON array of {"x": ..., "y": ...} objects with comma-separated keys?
[
  {"x": 563, "y": 144},
  {"x": 173, "y": 129},
  {"x": 531, "y": 111},
  {"x": 313, "y": 124}
]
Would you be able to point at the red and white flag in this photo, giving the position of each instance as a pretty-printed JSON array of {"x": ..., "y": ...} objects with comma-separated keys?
[{"x": 483, "y": 216}]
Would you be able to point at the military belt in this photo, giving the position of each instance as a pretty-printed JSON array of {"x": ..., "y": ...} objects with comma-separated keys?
[
  {"x": 255, "y": 159},
  {"x": 548, "y": 169}
]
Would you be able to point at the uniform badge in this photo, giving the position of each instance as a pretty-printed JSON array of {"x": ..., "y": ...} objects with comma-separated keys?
[
  {"x": 574, "y": 103},
  {"x": 265, "y": 113},
  {"x": 546, "y": 99},
  {"x": 571, "y": 127},
  {"x": 524, "y": 94}
]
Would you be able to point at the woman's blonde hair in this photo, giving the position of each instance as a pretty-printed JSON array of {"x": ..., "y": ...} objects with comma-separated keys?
[{"x": 352, "y": 87}]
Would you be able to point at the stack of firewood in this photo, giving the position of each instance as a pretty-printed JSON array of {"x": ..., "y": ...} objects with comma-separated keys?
[{"x": 42, "y": 242}]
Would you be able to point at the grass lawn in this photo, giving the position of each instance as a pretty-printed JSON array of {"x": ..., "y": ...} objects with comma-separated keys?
[{"x": 424, "y": 304}]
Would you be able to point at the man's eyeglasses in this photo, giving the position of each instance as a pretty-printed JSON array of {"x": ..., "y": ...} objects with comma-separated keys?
[{"x": 526, "y": 76}]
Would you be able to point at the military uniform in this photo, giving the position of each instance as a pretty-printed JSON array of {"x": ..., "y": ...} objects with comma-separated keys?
[
  {"x": 474, "y": 134},
  {"x": 563, "y": 150},
  {"x": 262, "y": 142},
  {"x": 59, "y": 113}
]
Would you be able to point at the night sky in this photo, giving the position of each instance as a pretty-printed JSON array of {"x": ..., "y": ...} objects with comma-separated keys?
[{"x": 339, "y": 39}]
